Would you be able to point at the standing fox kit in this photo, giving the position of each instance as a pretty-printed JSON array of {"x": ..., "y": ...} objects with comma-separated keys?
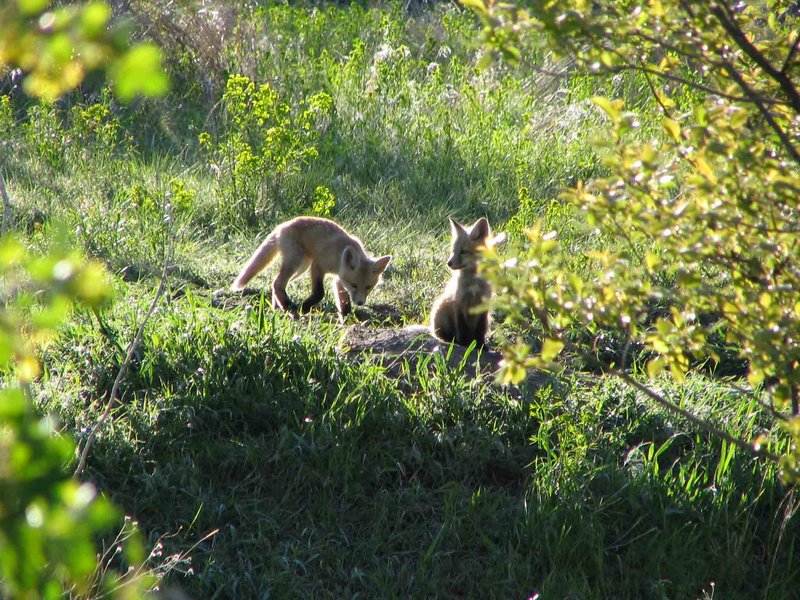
[
  {"x": 324, "y": 247},
  {"x": 453, "y": 316}
]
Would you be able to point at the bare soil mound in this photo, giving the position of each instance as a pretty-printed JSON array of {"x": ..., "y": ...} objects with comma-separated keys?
[{"x": 395, "y": 347}]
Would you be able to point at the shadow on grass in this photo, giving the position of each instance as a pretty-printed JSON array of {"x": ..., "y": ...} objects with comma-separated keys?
[{"x": 328, "y": 479}]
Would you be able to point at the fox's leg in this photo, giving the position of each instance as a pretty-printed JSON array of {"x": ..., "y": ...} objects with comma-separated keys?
[
  {"x": 442, "y": 321},
  {"x": 342, "y": 298},
  {"x": 463, "y": 334},
  {"x": 317, "y": 289},
  {"x": 292, "y": 263},
  {"x": 481, "y": 328}
]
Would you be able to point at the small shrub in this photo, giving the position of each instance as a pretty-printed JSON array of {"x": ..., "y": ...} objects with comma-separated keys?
[
  {"x": 44, "y": 131},
  {"x": 95, "y": 128},
  {"x": 262, "y": 144},
  {"x": 324, "y": 202}
]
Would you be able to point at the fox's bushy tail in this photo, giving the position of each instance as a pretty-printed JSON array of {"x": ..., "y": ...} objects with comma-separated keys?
[{"x": 259, "y": 261}]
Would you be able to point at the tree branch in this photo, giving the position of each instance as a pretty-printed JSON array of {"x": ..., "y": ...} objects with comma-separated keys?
[
  {"x": 722, "y": 12},
  {"x": 667, "y": 77},
  {"x": 655, "y": 95},
  {"x": 792, "y": 51},
  {"x": 702, "y": 423},
  {"x": 757, "y": 100}
]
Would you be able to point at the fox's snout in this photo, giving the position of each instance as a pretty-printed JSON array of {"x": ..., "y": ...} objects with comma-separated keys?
[
  {"x": 454, "y": 263},
  {"x": 357, "y": 293}
]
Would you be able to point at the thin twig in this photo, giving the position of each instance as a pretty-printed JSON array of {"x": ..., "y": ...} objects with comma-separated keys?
[
  {"x": 790, "y": 56},
  {"x": 132, "y": 348},
  {"x": 661, "y": 75},
  {"x": 724, "y": 15},
  {"x": 775, "y": 413},
  {"x": 656, "y": 95},
  {"x": 106, "y": 330},
  {"x": 700, "y": 422},
  {"x": 6, "y": 207},
  {"x": 757, "y": 100}
]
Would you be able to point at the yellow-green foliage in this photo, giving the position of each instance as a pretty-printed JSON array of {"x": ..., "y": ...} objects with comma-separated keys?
[
  {"x": 48, "y": 519},
  {"x": 265, "y": 142},
  {"x": 705, "y": 213},
  {"x": 57, "y": 46}
]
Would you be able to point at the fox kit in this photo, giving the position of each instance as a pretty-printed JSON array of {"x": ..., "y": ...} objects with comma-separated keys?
[
  {"x": 453, "y": 317},
  {"x": 323, "y": 246}
]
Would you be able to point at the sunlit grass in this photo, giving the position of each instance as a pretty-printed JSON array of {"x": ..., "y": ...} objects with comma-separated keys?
[{"x": 325, "y": 478}]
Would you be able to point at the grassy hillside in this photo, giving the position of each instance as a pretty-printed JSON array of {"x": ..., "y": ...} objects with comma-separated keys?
[{"x": 258, "y": 461}]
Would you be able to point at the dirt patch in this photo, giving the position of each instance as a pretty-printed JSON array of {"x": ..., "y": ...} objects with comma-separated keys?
[
  {"x": 379, "y": 337},
  {"x": 409, "y": 345}
]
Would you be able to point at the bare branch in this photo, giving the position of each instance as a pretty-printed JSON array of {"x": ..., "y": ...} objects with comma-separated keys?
[
  {"x": 748, "y": 447},
  {"x": 6, "y": 207},
  {"x": 722, "y": 12},
  {"x": 655, "y": 94},
  {"x": 792, "y": 51},
  {"x": 132, "y": 348},
  {"x": 667, "y": 77},
  {"x": 757, "y": 100},
  {"x": 775, "y": 413}
]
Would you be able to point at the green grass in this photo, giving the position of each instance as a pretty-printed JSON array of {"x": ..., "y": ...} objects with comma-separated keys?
[
  {"x": 325, "y": 479},
  {"x": 321, "y": 478}
]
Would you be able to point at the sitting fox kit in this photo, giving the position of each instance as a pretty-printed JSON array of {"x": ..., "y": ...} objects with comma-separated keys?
[
  {"x": 324, "y": 247},
  {"x": 453, "y": 317}
]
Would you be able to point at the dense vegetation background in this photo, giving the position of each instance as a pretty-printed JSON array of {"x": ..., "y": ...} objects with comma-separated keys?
[{"x": 255, "y": 459}]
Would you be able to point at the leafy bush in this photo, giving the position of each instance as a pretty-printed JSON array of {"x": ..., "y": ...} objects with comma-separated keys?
[
  {"x": 131, "y": 229},
  {"x": 710, "y": 202},
  {"x": 48, "y": 519},
  {"x": 71, "y": 41},
  {"x": 94, "y": 128},
  {"x": 262, "y": 143}
]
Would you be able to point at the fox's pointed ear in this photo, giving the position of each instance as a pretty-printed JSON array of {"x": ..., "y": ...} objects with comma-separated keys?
[
  {"x": 479, "y": 230},
  {"x": 381, "y": 264},
  {"x": 350, "y": 258},
  {"x": 456, "y": 227}
]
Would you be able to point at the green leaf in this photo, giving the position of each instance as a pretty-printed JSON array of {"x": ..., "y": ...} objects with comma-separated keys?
[
  {"x": 672, "y": 128},
  {"x": 610, "y": 107},
  {"x": 32, "y": 7},
  {"x": 91, "y": 285},
  {"x": 656, "y": 8},
  {"x": 13, "y": 404},
  {"x": 738, "y": 118},
  {"x": 60, "y": 48},
  {"x": 511, "y": 373},
  {"x": 11, "y": 253},
  {"x": 678, "y": 370},
  {"x": 755, "y": 376},
  {"x": 94, "y": 18},
  {"x": 140, "y": 72},
  {"x": 655, "y": 366},
  {"x": 551, "y": 348},
  {"x": 659, "y": 345},
  {"x": 477, "y": 5},
  {"x": 705, "y": 170},
  {"x": 608, "y": 59}
]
